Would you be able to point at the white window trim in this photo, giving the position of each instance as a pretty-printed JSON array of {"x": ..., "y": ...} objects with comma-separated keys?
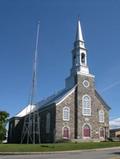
[
  {"x": 103, "y": 117},
  {"x": 68, "y": 114},
  {"x": 86, "y": 86},
  {"x": 83, "y": 131},
  {"x": 63, "y": 132},
  {"x": 83, "y": 105}
]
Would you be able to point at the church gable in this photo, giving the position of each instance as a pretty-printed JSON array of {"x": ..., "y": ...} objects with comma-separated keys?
[
  {"x": 65, "y": 117},
  {"x": 65, "y": 96}
]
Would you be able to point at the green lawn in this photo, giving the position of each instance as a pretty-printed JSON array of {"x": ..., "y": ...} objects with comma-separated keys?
[{"x": 55, "y": 147}]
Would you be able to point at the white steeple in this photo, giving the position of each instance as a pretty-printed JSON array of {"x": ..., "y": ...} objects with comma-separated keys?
[
  {"x": 79, "y": 36},
  {"x": 79, "y": 58},
  {"x": 79, "y": 53}
]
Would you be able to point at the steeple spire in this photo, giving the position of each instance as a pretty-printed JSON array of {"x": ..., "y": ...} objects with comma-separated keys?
[
  {"x": 79, "y": 58},
  {"x": 79, "y": 53},
  {"x": 79, "y": 36},
  {"x": 79, "y": 41}
]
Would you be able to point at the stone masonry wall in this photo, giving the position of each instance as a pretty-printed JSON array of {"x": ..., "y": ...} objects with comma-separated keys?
[
  {"x": 69, "y": 102},
  {"x": 96, "y": 105}
]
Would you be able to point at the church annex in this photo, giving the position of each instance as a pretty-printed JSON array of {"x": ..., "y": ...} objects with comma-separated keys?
[{"x": 76, "y": 113}]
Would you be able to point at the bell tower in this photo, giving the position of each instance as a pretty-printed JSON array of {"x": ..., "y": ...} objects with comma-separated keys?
[
  {"x": 79, "y": 53},
  {"x": 79, "y": 58}
]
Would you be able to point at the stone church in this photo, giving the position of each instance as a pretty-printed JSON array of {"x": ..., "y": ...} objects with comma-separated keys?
[{"x": 76, "y": 113}]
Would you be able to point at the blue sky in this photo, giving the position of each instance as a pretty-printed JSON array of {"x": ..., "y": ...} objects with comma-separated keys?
[{"x": 100, "y": 20}]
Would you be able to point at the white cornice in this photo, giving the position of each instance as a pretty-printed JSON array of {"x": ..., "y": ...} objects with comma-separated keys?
[
  {"x": 67, "y": 95},
  {"x": 89, "y": 75}
]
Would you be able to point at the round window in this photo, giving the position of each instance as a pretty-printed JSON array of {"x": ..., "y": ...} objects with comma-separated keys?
[{"x": 85, "y": 83}]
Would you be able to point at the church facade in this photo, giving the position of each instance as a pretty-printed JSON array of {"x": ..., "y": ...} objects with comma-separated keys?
[{"x": 76, "y": 113}]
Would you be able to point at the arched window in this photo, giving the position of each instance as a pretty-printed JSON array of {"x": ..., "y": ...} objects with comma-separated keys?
[
  {"x": 48, "y": 123},
  {"x": 66, "y": 113},
  {"x": 101, "y": 116},
  {"x": 102, "y": 132},
  {"x": 86, "y": 130},
  {"x": 86, "y": 105},
  {"x": 83, "y": 58},
  {"x": 66, "y": 133}
]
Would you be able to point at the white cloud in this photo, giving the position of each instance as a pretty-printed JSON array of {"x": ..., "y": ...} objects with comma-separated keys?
[{"x": 115, "y": 123}]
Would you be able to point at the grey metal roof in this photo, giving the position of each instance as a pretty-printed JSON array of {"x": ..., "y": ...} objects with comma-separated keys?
[{"x": 54, "y": 98}]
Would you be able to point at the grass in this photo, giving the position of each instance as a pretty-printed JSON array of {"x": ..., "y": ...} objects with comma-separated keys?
[{"x": 55, "y": 147}]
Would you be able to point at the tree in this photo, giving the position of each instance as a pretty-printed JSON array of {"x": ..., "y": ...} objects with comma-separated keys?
[{"x": 3, "y": 121}]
